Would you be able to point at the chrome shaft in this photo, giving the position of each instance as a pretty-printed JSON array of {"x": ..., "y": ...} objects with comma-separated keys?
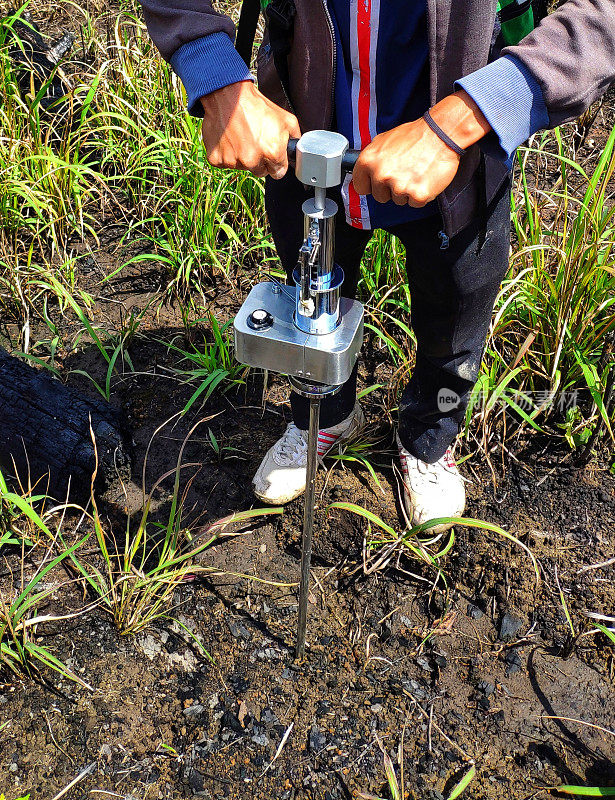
[{"x": 308, "y": 522}]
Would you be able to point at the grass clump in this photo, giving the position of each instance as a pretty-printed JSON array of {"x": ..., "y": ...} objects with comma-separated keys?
[
  {"x": 25, "y": 596},
  {"x": 141, "y": 570},
  {"x": 211, "y": 365},
  {"x": 551, "y": 345}
]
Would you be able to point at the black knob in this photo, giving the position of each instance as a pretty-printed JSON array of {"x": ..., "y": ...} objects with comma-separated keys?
[{"x": 260, "y": 319}]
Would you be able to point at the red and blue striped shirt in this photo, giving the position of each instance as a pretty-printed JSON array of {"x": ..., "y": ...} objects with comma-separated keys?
[{"x": 381, "y": 81}]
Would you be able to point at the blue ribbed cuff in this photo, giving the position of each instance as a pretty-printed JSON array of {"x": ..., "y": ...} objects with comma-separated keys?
[
  {"x": 207, "y": 64},
  {"x": 512, "y": 102}
]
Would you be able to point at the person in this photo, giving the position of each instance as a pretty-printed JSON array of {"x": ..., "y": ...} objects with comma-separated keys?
[{"x": 439, "y": 181}]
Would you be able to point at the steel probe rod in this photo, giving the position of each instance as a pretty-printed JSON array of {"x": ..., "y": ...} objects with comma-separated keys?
[{"x": 308, "y": 522}]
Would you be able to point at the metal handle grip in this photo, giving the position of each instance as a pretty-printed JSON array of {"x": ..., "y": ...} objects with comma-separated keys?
[
  {"x": 349, "y": 158},
  {"x": 291, "y": 149}
]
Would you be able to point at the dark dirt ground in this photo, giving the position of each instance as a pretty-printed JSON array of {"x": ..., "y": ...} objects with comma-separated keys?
[{"x": 488, "y": 672}]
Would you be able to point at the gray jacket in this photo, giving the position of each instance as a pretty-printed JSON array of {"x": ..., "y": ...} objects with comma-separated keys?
[{"x": 571, "y": 54}]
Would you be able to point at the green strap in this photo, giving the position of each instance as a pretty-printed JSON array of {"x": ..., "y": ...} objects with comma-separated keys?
[{"x": 516, "y": 20}]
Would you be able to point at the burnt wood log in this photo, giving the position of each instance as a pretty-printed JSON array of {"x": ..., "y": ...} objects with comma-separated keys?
[
  {"x": 34, "y": 59},
  {"x": 45, "y": 430}
]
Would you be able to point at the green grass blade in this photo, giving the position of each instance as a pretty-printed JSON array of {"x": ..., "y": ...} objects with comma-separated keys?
[
  {"x": 463, "y": 784},
  {"x": 585, "y": 791}
]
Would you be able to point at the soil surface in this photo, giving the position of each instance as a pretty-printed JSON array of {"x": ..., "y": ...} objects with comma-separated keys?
[{"x": 486, "y": 671}]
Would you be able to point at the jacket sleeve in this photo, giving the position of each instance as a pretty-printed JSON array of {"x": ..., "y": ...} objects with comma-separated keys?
[
  {"x": 571, "y": 55},
  {"x": 173, "y": 23},
  {"x": 511, "y": 101},
  {"x": 198, "y": 42}
]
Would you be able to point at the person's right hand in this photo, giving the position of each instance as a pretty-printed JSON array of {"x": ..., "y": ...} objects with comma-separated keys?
[{"x": 242, "y": 129}]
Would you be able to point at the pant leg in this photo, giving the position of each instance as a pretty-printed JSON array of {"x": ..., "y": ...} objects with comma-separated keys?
[
  {"x": 283, "y": 201},
  {"x": 453, "y": 292}
]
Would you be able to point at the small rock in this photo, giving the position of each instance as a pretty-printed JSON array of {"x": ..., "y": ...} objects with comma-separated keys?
[
  {"x": 231, "y": 721},
  {"x": 513, "y": 662},
  {"x": 323, "y": 707},
  {"x": 423, "y": 663},
  {"x": 268, "y": 717},
  {"x": 440, "y": 660},
  {"x": 484, "y": 703},
  {"x": 196, "y": 781},
  {"x": 486, "y": 688},
  {"x": 376, "y": 708},
  {"x": 239, "y": 630},
  {"x": 263, "y": 548},
  {"x": 269, "y": 654},
  {"x": 415, "y": 689},
  {"x": 238, "y": 683},
  {"x": 474, "y": 612},
  {"x": 194, "y": 710},
  {"x": 438, "y": 604},
  {"x": 260, "y": 738},
  {"x": 509, "y": 627},
  {"x": 317, "y": 741},
  {"x": 150, "y": 646},
  {"x": 205, "y": 746}
]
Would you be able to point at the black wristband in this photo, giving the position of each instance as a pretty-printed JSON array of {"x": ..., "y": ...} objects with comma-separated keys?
[{"x": 441, "y": 135}]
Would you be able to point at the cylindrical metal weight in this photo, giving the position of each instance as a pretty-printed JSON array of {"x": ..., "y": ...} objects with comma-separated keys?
[
  {"x": 326, "y": 295},
  {"x": 324, "y": 280}
]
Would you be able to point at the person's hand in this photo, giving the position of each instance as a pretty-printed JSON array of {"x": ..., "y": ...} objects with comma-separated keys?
[
  {"x": 242, "y": 129},
  {"x": 410, "y": 164}
]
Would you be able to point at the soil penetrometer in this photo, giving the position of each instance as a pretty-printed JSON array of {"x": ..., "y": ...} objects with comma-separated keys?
[{"x": 310, "y": 333}]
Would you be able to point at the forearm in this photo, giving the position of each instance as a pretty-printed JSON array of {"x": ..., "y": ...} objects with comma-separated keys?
[
  {"x": 550, "y": 77},
  {"x": 460, "y": 117}
]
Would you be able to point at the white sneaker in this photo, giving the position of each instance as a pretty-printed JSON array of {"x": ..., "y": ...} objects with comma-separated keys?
[
  {"x": 431, "y": 490},
  {"x": 281, "y": 475}
]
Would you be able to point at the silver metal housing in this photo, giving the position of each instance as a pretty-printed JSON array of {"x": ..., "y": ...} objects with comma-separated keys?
[{"x": 328, "y": 358}]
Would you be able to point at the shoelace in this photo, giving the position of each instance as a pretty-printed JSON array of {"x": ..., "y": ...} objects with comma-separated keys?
[
  {"x": 291, "y": 447},
  {"x": 430, "y": 471}
]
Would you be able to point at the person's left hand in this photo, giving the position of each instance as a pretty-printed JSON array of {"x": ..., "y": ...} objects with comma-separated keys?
[{"x": 410, "y": 164}]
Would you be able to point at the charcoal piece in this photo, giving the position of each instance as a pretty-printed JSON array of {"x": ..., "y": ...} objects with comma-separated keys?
[
  {"x": 509, "y": 627},
  {"x": 46, "y": 431}
]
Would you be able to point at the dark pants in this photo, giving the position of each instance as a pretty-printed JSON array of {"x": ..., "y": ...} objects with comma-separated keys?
[{"x": 453, "y": 292}]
